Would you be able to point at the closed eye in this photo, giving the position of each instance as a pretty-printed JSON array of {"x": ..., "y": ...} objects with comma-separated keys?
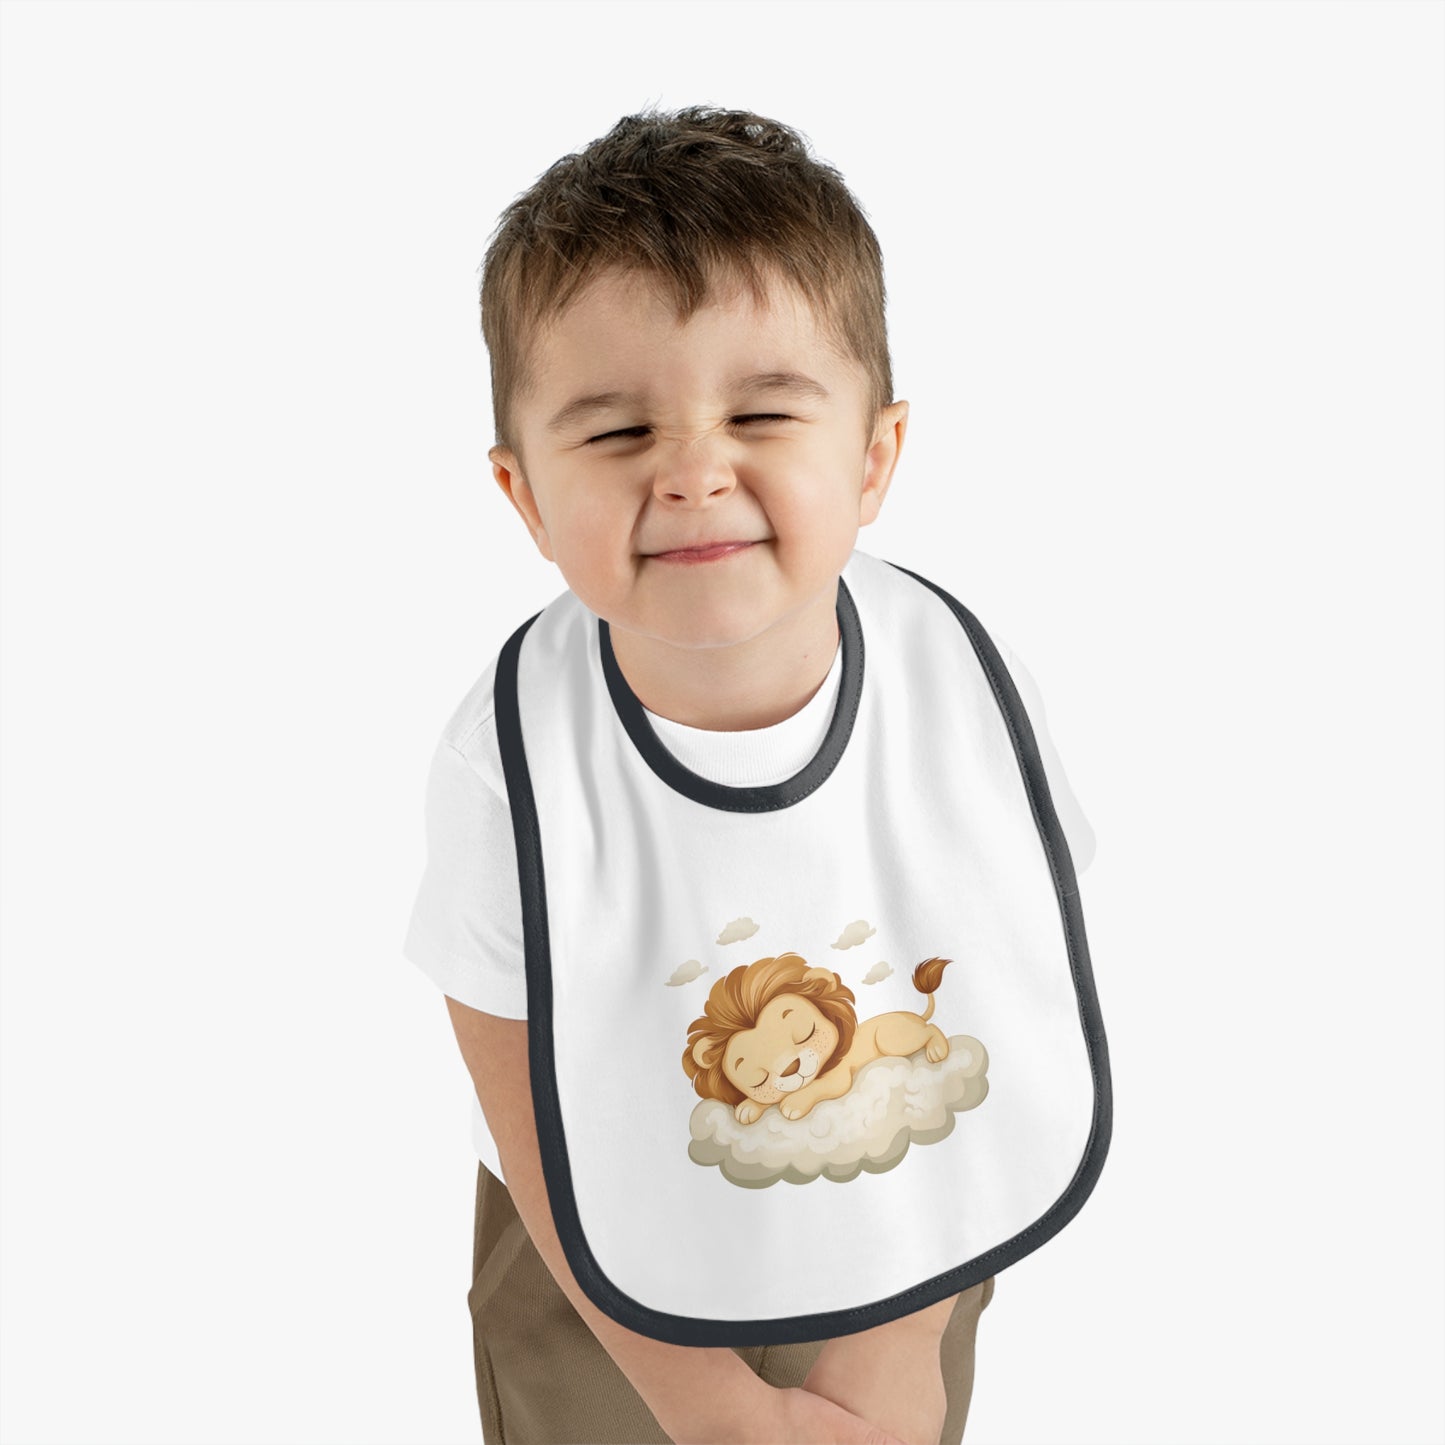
[{"x": 640, "y": 430}]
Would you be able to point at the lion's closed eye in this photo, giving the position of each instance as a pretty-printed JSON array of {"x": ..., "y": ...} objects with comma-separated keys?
[{"x": 757, "y": 1084}]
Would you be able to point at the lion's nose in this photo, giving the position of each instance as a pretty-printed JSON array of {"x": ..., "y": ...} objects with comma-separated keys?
[{"x": 791, "y": 1069}]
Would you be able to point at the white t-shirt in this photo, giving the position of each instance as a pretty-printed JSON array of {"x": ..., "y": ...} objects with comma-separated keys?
[{"x": 465, "y": 932}]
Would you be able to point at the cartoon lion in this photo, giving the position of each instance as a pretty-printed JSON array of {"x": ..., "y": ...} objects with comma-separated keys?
[{"x": 779, "y": 1032}]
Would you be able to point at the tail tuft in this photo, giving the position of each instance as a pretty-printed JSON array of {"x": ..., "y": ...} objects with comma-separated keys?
[
  {"x": 929, "y": 974},
  {"x": 926, "y": 977}
]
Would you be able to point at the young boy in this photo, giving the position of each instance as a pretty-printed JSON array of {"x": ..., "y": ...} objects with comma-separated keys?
[{"x": 694, "y": 413}]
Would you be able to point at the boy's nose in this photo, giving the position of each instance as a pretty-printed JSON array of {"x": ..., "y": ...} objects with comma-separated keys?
[{"x": 694, "y": 477}]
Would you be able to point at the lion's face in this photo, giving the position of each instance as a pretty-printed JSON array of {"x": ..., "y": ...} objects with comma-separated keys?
[
  {"x": 790, "y": 1045},
  {"x": 769, "y": 1028}
]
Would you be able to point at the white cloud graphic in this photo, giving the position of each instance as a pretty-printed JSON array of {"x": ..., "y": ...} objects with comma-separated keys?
[
  {"x": 878, "y": 972},
  {"x": 893, "y": 1103},
  {"x": 855, "y": 933},
  {"x": 739, "y": 928},
  {"x": 686, "y": 972}
]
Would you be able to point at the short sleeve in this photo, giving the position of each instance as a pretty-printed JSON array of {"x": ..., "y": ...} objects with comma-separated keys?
[
  {"x": 465, "y": 932},
  {"x": 1079, "y": 834}
]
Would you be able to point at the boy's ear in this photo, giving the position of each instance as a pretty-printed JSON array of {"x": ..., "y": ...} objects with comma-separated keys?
[
  {"x": 881, "y": 459},
  {"x": 507, "y": 470}
]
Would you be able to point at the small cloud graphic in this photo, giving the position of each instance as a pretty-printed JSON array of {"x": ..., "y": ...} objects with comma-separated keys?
[
  {"x": 878, "y": 972},
  {"x": 739, "y": 928},
  {"x": 894, "y": 1102},
  {"x": 855, "y": 933},
  {"x": 686, "y": 972}
]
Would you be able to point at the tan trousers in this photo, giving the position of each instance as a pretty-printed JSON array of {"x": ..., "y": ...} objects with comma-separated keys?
[{"x": 544, "y": 1379}]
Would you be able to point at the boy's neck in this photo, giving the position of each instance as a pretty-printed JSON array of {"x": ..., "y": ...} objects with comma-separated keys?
[{"x": 754, "y": 684}]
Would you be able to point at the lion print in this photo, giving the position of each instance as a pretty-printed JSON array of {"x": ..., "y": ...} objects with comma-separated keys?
[{"x": 779, "y": 1032}]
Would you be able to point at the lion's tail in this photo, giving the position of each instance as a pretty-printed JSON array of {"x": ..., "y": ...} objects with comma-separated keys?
[{"x": 926, "y": 977}]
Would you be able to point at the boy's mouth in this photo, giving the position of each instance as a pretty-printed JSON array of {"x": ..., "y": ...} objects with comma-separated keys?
[{"x": 703, "y": 554}]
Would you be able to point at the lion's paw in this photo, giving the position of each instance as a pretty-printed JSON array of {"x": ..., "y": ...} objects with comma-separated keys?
[
  {"x": 748, "y": 1112},
  {"x": 936, "y": 1049}
]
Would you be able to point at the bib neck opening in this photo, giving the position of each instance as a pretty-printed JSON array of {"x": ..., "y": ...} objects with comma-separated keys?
[{"x": 766, "y": 797}]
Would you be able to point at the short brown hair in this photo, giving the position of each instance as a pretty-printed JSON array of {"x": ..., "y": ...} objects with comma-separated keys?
[{"x": 689, "y": 198}]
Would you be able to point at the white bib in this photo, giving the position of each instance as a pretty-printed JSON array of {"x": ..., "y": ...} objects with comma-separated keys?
[{"x": 810, "y": 1056}]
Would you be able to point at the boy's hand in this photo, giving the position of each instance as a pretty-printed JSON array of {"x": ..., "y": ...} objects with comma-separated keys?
[
  {"x": 890, "y": 1375},
  {"x": 790, "y": 1416}
]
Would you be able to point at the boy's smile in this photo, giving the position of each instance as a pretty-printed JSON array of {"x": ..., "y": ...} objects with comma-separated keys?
[
  {"x": 708, "y": 552},
  {"x": 643, "y": 436}
]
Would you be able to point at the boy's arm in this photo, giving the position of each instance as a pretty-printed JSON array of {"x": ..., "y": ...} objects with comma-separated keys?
[{"x": 695, "y": 1393}]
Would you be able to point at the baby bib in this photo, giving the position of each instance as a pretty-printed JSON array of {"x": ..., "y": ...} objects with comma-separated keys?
[{"x": 810, "y": 1056}]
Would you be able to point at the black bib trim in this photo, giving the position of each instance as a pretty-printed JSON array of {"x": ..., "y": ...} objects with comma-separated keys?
[
  {"x": 796, "y": 1329},
  {"x": 766, "y": 797}
]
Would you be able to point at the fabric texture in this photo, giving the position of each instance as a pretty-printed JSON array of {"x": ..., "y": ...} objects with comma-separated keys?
[{"x": 543, "y": 1377}]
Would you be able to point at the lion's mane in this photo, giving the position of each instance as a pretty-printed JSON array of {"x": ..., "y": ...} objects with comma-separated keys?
[{"x": 739, "y": 997}]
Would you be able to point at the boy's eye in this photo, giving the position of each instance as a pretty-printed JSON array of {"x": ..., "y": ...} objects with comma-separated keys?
[{"x": 639, "y": 430}]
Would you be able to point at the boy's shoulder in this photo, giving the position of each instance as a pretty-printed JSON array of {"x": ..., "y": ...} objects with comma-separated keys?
[{"x": 471, "y": 730}]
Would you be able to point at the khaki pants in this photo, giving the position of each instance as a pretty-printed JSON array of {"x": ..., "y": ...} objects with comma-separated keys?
[{"x": 544, "y": 1379}]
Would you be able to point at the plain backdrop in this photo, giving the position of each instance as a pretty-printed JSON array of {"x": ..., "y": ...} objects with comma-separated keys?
[{"x": 1166, "y": 296}]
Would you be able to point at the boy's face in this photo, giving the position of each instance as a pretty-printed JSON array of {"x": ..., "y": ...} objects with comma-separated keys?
[{"x": 687, "y": 450}]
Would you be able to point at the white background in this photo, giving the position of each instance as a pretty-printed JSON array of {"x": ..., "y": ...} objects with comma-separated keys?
[{"x": 1165, "y": 293}]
